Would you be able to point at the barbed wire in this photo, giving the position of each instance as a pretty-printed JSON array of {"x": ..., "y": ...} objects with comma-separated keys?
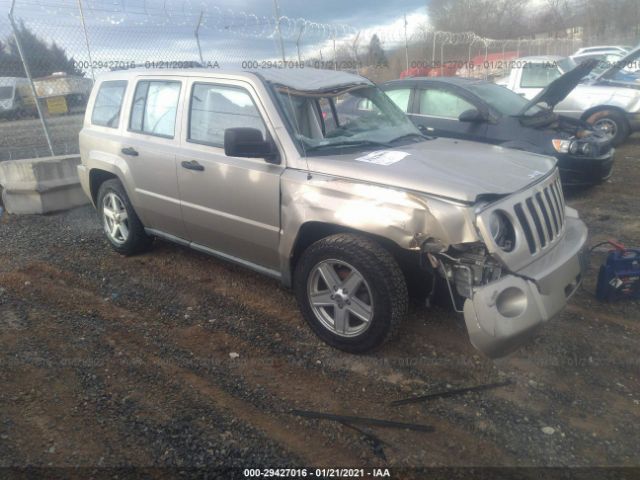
[{"x": 99, "y": 35}]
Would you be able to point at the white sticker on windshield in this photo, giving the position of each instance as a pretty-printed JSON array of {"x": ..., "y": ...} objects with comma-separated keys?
[{"x": 383, "y": 157}]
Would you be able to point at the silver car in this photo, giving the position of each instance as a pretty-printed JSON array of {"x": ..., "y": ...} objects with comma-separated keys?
[
  {"x": 318, "y": 179},
  {"x": 609, "y": 98}
]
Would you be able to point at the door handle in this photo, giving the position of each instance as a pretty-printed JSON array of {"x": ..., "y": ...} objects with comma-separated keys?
[
  {"x": 193, "y": 165},
  {"x": 132, "y": 152}
]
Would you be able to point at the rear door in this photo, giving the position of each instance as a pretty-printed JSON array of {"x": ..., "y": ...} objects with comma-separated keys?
[
  {"x": 437, "y": 109},
  {"x": 229, "y": 205},
  {"x": 149, "y": 147}
]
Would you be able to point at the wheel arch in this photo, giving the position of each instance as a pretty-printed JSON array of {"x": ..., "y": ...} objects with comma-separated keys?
[
  {"x": 601, "y": 108},
  {"x": 97, "y": 177},
  {"x": 312, "y": 231}
]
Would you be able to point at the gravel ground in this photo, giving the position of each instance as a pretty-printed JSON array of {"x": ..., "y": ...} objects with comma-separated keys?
[{"x": 173, "y": 358}]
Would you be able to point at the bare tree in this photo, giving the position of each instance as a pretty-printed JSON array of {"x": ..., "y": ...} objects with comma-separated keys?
[{"x": 488, "y": 18}]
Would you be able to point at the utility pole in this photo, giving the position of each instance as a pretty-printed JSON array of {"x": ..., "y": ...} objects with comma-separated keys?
[
  {"x": 197, "y": 35},
  {"x": 406, "y": 43},
  {"x": 27, "y": 71},
  {"x": 277, "y": 11},
  {"x": 86, "y": 38}
]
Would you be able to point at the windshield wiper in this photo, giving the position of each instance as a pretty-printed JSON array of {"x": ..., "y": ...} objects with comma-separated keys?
[
  {"x": 350, "y": 143},
  {"x": 411, "y": 135}
]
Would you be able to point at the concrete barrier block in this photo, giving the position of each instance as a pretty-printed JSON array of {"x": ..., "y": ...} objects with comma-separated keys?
[{"x": 41, "y": 185}]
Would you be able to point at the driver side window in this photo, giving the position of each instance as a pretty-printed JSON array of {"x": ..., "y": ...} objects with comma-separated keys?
[{"x": 440, "y": 103}]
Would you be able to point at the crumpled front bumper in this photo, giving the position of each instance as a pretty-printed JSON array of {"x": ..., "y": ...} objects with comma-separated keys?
[{"x": 504, "y": 314}]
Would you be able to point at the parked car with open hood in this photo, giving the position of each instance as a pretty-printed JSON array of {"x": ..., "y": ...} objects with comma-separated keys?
[
  {"x": 606, "y": 100},
  {"x": 247, "y": 167},
  {"x": 482, "y": 111}
]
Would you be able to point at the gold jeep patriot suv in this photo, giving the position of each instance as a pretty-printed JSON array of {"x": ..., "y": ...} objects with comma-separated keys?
[{"x": 318, "y": 179}]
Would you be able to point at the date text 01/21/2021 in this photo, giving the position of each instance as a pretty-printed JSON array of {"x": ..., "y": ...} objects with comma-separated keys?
[{"x": 317, "y": 473}]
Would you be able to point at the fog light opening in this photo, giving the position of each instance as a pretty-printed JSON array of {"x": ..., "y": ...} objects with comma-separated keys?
[{"x": 512, "y": 302}]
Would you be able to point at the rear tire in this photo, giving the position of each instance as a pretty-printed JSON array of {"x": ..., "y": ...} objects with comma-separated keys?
[
  {"x": 351, "y": 292},
  {"x": 121, "y": 224}
]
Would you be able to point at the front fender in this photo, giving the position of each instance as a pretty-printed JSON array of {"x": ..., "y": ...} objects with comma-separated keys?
[{"x": 403, "y": 217}]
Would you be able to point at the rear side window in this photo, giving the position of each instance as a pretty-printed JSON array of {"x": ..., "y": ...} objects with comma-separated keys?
[
  {"x": 106, "y": 109},
  {"x": 214, "y": 108},
  {"x": 154, "y": 108}
]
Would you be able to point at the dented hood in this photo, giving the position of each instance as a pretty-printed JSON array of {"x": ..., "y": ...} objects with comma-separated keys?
[{"x": 454, "y": 169}]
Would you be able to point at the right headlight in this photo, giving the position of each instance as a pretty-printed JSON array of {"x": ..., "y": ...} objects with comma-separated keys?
[
  {"x": 565, "y": 146},
  {"x": 502, "y": 230}
]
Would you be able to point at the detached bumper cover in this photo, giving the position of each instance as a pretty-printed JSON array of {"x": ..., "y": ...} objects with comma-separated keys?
[{"x": 504, "y": 314}]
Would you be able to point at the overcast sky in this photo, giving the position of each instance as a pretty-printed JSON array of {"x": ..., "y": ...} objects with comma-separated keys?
[
  {"x": 125, "y": 36},
  {"x": 359, "y": 13}
]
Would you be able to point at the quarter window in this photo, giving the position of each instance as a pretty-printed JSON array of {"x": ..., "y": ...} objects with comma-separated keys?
[
  {"x": 155, "y": 104},
  {"x": 440, "y": 103},
  {"x": 214, "y": 108},
  {"x": 106, "y": 109}
]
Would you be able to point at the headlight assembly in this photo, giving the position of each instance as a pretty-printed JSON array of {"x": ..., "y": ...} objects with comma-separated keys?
[
  {"x": 502, "y": 230},
  {"x": 561, "y": 146}
]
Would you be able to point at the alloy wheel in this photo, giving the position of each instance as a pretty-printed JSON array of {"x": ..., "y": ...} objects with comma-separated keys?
[
  {"x": 115, "y": 218},
  {"x": 340, "y": 298}
]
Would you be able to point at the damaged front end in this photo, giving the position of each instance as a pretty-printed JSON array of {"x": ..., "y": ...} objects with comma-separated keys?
[{"x": 529, "y": 264}]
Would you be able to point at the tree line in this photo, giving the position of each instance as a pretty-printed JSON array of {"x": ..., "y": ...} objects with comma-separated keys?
[
  {"x": 501, "y": 19},
  {"x": 44, "y": 58}
]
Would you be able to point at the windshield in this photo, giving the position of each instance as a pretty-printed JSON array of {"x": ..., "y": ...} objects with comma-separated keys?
[
  {"x": 356, "y": 118},
  {"x": 502, "y": 99},
  {"x": 6, "y": 92}
]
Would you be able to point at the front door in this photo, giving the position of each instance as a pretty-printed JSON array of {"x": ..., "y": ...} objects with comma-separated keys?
[
  {"x": 230, "y": 205},
  {"x": 436, "y": 111}
]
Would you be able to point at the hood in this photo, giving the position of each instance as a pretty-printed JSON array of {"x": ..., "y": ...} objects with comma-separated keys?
[
  {"x": 562, "y": 86},
  {"x": 617, "y": 67},
  {"x": 454, "y": 169}
]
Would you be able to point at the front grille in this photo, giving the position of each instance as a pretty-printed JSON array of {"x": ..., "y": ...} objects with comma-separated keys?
[{"x": 541, "y": 215}]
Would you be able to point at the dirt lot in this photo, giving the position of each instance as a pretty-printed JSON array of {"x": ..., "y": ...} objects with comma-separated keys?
[{"x": 113, "y": 361}]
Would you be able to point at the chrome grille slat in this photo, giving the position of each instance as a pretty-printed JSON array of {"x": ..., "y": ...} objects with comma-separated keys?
[
  {"x": 548, "y": 236},
  {"x": 553, "y": 209},
  {"x": 527, "y": 227},
  {"x": 546, "y": 209},
  {"x": 541, "y": 239},
  {"x": 559, "y": 203}
]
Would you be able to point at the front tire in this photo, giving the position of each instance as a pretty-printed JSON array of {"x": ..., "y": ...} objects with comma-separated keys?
[
  {"x": 613, "y": 124},
  {"x": 351, "y": 292},
  {"x": 121, "y": 224}
]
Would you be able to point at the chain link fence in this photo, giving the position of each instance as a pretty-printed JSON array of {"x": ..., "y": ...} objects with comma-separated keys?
[{"x": 51, "y": 50}]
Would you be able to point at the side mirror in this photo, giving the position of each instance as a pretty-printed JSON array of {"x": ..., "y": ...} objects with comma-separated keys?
[
  {"x": 248, "y": 143},
  {"x": 471, "y": 115}
]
